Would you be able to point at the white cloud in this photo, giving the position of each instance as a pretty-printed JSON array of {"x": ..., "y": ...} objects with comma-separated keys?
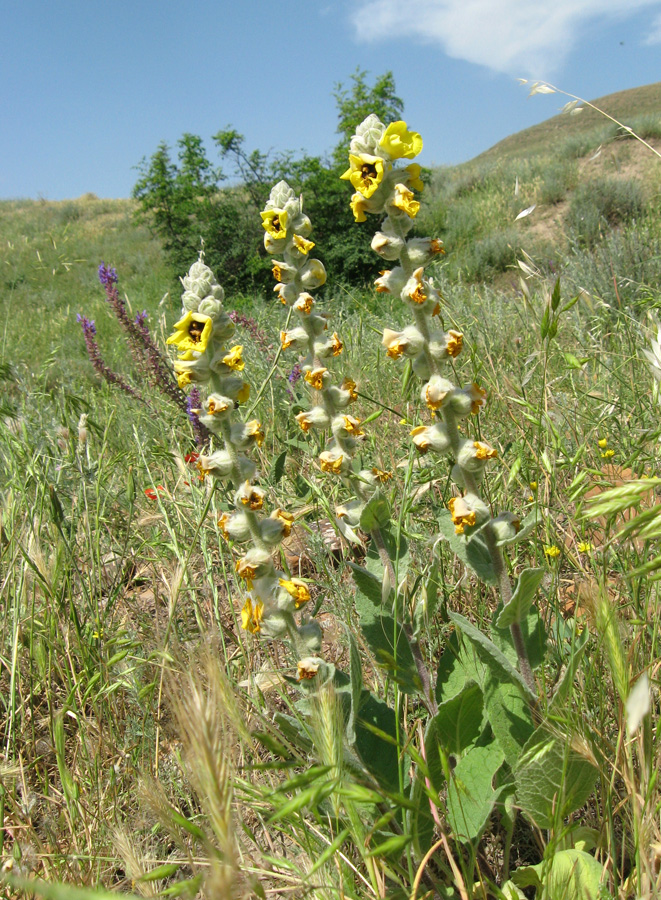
[
  {"x": 517, "y": 37},
  {"x": 654, "y": 36}
]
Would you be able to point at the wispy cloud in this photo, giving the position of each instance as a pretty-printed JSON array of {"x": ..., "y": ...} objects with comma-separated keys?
[{"x": 518, "y": 37}]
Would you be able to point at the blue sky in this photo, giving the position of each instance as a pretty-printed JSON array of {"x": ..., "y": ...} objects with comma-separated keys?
[{"x": 89, "y": 88}]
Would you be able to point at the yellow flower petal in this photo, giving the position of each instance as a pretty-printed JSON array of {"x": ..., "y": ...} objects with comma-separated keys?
[{"x": 399, "y": 142}]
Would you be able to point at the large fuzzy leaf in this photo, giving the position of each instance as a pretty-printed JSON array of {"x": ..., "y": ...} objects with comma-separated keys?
[{"x": 471, "y": 796}]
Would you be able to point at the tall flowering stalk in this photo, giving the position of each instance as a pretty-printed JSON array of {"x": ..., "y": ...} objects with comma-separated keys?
[
  {"x": 211, "y": 363},
  {"x": 100, "y": 366},
  {"x": 287, "y": 231},
  {"x": 383, "y": 187}
]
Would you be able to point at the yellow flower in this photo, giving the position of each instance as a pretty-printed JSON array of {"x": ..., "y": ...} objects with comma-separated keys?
[
  {"x": 350, "y": 386},
  {"x": 338, "y": 346},
  {"x": 358, "y": 207},
  {"x": 252, "y": 497},
  {"x": 285, "y": 340},
  {"x": 533, "y": 485},
  {"x": 296, "y": 589},
  {"x": 302, "y": 244},
  {"x": 214, "y": 407},
  {"x": 420, "y": 435},
  {"x": 316, "y": 378},
  {"x": 484, "y": 451},
  {"x": 192, "y": 333},
  {"x": 331, "y": 462},
  {"x": 307, "y": 669},
  {"x": 222, "y": 524},
  {"x": 184, "y": 379},
  {"x": 585, "y": 547},
  {"x": 405, "y": 201},
  {"x": 380, "y": 475},
  {"x": 274, "y": 222},
  {"x": 252, "y": 615},
  {"x": 303, "y": 420},
  {"x": 603, "y": 443},
  {"x": 246, "y": 570},
  {"x": 414, "y": 177},
  {"x": 352, "y": 425},
  {"x": 304, "y": 304},
  {"x": 399, "y": 142},
  {"x": 462, "y": 514},
  {"x": 478, "y": 398},
  {"x": 608, "y": 454},
  {"x": 365, "y": 173},
  {"x": 436, "y": 246},
  {"x": 244, "y": 392},
  {"x": 286, "y": 519},
  {"x": 552, "y": 551},
  {"x": 234, "y": 359},
  {"x": 254, "y": 430},
  {"x": 454, "y": 341}
]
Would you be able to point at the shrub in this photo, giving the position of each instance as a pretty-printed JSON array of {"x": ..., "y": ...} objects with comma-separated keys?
[{"x": 601, "y": 204}]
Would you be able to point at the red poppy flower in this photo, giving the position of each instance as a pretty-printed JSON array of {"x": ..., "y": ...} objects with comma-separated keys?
[
  {"x": 191, "y": 458},
  {"x": 151, "y": 494}
]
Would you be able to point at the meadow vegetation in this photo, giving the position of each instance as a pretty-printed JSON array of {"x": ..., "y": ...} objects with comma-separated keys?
[{"x": 152, "y": 745}]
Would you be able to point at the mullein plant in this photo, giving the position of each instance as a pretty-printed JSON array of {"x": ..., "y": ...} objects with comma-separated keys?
[
  {"x": 383, "y": 186},
  {"x": 287, "y": 231},
  {"x": 213, "y": 365}
]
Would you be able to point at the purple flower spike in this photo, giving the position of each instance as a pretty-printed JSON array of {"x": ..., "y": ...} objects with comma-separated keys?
[
  {"x": 107, "y": 275},
  {"x": 295, "y": 374},
  {"x": 141, "y": 317},
  {"x": 87, "y": 324}
]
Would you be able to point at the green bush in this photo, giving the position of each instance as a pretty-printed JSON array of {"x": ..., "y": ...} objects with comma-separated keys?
[{"x": 602, "y": 204}]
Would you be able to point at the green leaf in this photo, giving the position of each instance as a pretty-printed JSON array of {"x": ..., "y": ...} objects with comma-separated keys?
[
  {"x": 534, "y": 637},
  {"x": 392, "y": 845},
  {"x": 376, "y": 512},
  {"x": 378, "y": 753},
  {"x": 471, "y": 797},
  {"x": 495, "y": 659},
  {"x": 552, "y": 779},
  {"x": 574, "y": 362},
  {"x": 329, "y": 852},
  {"x": 471, "y": 551},
  {"x": 568, "y": 874},
  {"x": 555, "y": 296},
  {"x": 356, "y": 676},
  {"x": 566, "y": 683},
  {"x": 571, "y": 303},
  {"x": 458, "y": 665},
  {"x": 458, "y": 722},
  {"x": 509, "y": 716},
  {"x": 522, "y": 598},
  {"x": 164, "y": 871},
  {"x": 428, "y": 599},
  {"x": 278, "y": 467},
  {"x": 544, "y": 326}
]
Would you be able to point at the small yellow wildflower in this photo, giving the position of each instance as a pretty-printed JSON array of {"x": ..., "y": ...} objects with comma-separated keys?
[
  {"x": 252, "y": 615},
  {"x": 296, "y": 589},
  {"x": 302, "y": 244},
  {"x": 552, "y": 551},
  {"x": 454, "y": 342},
  {"x": 462, "y": 514},
  {"x": 405, "y": 201},
  {"x": 608, "y": 454},
  {"x": 315, "y": 378},
  {"x": 533, "y": 485},
  {"x": 274, "y": 222},
  {"x": 585, "y": 547},
  {"x": 603, "y": 442},
  {"x": 234, "y": 359},
  {"x": 330, "y": 462},
  {"x": 337, "y": 346},
  {"x": 192, "y": 332},
  {"x": 484, "y": 451},
  {"x": 254, "y": 429},
  {"x": 399, "y": 142},
  {"x": 307, "y": 669},
  {"x": 358, "y": 206},
  {"x": 380, "y": 475},
  {"x": 352, "y": 425},
  {"x": 365, "y": 173},
  {"x": 350, "y": 386},
  {"x": 286, "y": 519}
]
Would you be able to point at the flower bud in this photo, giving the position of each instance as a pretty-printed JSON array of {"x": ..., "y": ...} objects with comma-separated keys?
[
  {"x": 402, "y": 343},
  {"x": 235, "y": 526},
  {"x": 436, "y": 392},
  {"x": 283, "y": 272},
  {"x": 391, "y": 281},
  {"x": 249, "y": 496},
  {"x": 312, "y": 274},
  {"x": 350, "y": 512},
  {"x": 287, "y": 293},
  {"x": 317, "y": 417},
  {"x": 431, "y": 437},
  {"x": 334, "y": 461},
  {"x": 388, "y": 246},
  {"x": 333, "y": 346},
  {"x": 218, "y": 464},
  {"x": 296, "y": 338},
  {"x": 346, "y": 427},
  {"x": 423, "y": 250},
  {"x": 244, "y": 434},
  {"x": 474, "y": 455},
  {"x": 506, "y": 526},
  {"x": 367, "y": 136},
  {"x": 311, "y": 636}
]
